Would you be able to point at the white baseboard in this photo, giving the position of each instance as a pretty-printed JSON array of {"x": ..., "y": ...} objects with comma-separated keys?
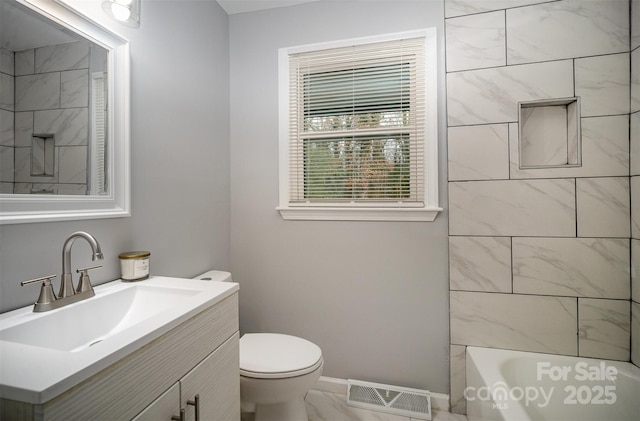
[{"x": 439, "y": 401}]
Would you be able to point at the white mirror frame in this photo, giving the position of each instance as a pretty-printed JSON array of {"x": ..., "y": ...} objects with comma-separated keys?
[{"x": 16, "y": 209}]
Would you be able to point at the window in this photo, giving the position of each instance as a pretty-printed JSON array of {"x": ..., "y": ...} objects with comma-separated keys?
[{"x": 358, "y": 129}]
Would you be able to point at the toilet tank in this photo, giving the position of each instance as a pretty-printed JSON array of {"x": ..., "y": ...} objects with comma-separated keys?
[{"x": 215, "y": 275}]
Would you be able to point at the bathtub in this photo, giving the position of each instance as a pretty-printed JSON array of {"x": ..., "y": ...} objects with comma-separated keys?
[{"x": 518, "y": 386}]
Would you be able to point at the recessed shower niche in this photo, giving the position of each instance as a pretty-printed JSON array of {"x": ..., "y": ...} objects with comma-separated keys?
[{"x": 549, "y": 133}]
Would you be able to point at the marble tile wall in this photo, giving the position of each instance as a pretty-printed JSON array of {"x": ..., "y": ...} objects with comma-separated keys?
[
  {"x": 542, "y": 259},
  {"x": 51, "y": 96}
]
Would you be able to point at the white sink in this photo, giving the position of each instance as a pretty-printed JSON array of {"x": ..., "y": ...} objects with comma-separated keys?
[
  {"x": 44, "y": 354},
  {"x": 76, "y": 327}
]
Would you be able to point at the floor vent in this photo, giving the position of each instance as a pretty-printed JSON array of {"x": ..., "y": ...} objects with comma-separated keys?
[{"x": 392, "y": 399}]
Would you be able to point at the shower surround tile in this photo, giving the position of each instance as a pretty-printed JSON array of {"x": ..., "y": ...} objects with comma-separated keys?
[
  {"x": 603, "y": 207},
  {"x": 604, "y": 328},
  {"x": 513, "y": 208},
  {"x": 458, "y": 381},
  {"x": 602, "y": 83},
  {"x": 605, "y": 151},
  {"x": 567, "y": 29},
  {"x": 580, "y": 267},
  {"x": 467, "y": 7},
  {"x": 491, "y": 95},
  {"x": 520, "y": 322},
  {"x": 478, "y": 152},
  {"x": 480, "y": 264},
  {"x": 476, "y": 41}
]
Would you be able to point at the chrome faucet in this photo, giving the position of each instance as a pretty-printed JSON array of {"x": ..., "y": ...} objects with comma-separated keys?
[
  {"x": 68, "y": 294},
  {"x": 66, "y": 284}
]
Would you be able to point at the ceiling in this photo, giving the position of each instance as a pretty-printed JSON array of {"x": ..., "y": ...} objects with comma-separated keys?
[{"x": 242, "y": 6}]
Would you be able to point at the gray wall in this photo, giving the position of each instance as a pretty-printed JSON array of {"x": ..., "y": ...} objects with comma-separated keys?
[
  {"x": 372, "y": 295},
  {"x": 180, "y": 157}
]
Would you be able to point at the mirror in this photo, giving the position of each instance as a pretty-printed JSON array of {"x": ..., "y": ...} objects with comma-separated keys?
[{"x": 64, "y": 115}]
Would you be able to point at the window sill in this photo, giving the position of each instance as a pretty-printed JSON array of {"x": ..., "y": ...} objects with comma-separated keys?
[{"x": 359, "y": 214}]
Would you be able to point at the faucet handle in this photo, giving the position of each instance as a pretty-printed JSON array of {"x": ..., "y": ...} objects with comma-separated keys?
[
  {"x": 84, "y": 284},
  {"x": 47, "y": 296}
]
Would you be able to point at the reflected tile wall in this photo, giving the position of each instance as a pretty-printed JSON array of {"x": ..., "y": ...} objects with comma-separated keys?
[
  {"x": 634, "y": 157},
  {"x": 52, "y": 96},
  {"x": 635, "y": 206},
  {"x": 7, "y": 61},
  {"x": 74, "y": 89},
  {"x": 635, "y": 80},
  {"x": 61, "y": 57},
  {"x": 467, "y": 7},
  {"x": 38, "y": 92},
  {"x": 71, "y": 126},
  {"x": 25, "y": 62},
  {"x": 7, "y": 92},
  {"x": 635, "y": 333},
  {"x": 6, "y": 128},
  {"x": 635, "y": 270},
  {"x": 6, "y": 164}
]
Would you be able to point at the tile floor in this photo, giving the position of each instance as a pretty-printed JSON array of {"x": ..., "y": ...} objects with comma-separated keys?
[{"x": 324, "y": 406}]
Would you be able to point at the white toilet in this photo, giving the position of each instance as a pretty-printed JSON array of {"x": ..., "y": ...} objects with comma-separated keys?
[{"x": 276, "y": 370}]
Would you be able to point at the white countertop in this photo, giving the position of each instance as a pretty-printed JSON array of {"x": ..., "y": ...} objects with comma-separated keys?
[{"x": 36, "y": 374}]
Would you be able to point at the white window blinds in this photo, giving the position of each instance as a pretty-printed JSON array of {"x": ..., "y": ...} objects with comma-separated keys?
[{"x": 357, "y": 125}]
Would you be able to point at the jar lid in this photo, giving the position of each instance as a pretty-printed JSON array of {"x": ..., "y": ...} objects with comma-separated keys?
[{"x": 134, "y": 255}]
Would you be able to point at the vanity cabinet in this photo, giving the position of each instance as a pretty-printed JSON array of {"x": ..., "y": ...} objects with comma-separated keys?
[
  {"x": 215, "y": 381},
  {"x": 199, "y": 356}
]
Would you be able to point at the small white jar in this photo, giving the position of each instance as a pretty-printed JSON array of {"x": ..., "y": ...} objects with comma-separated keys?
[{"x": 134, "y": 265}]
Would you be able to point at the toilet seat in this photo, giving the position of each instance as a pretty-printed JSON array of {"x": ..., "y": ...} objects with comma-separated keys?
[{"x": 277, "y": 356}]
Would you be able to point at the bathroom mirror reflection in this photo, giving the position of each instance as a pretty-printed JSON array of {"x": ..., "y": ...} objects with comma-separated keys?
[
  {"x": 54, "y": 119},
  {"x": 64, "y": 133}
]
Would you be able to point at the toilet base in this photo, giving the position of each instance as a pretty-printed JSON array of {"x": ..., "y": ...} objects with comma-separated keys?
[{"x": 293, "y": 410}]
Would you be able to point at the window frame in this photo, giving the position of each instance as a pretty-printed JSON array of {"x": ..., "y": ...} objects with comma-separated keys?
[{"x": 357, "y": 211}]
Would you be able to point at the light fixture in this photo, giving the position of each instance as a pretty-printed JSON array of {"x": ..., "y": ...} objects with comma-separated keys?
[{"x": 124, "y": 11}]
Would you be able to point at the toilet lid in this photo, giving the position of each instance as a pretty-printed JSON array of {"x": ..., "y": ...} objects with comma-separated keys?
[{"x": 274, "y": 355}]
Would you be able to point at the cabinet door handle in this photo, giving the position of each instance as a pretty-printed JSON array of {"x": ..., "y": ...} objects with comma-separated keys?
[
  {"x": 179, "y": 418},
  {"x": 196, "y": 402}
]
